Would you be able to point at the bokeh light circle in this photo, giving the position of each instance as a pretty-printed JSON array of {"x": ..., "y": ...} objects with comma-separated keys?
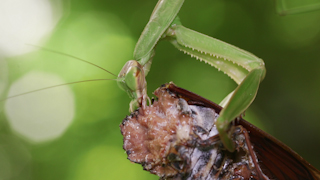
[
  {"x": 3, "y": 76},
  {"x": 42, "y": 115},
  {"x": 25, "y": 22}
]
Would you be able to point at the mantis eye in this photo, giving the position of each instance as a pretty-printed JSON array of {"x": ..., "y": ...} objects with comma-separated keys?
[{"x": 131, "y": 78}]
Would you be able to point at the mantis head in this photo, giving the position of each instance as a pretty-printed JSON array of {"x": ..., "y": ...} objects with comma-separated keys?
[{"x": 132, "y": 80}]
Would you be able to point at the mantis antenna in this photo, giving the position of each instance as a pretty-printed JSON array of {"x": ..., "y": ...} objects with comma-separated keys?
[
  {"x": 73, "y": 57},
  {"x": 75, "y": 82}
]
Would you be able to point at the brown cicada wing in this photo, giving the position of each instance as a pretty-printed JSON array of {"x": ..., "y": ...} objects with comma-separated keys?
[{"x": 275, "y": 159}]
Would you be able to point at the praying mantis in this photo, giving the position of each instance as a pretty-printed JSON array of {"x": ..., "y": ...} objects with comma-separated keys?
[
  {"x": 182, "y": 64},
  {"x": 243, "y": 67}
]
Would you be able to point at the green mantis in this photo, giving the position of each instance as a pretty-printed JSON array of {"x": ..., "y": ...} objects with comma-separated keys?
[{"x": 243, "y": 67}]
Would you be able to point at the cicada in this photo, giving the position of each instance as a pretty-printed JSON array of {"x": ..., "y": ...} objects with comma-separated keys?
[{"x": 176, "y": 138}]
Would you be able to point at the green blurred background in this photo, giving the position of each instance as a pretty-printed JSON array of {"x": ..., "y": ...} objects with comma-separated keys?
[{"x": 72, "y": 132}]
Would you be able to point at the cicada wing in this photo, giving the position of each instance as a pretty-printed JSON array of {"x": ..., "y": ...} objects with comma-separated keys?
[{"x": 276, "y": 159}]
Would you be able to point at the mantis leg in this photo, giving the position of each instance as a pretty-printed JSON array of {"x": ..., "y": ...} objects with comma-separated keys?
[
  {"x": 132, "y": 76},
  {"x": 241, "y": 99},
  {"x": 161, "y": 18},
  {"x": 243, "y": 67}
]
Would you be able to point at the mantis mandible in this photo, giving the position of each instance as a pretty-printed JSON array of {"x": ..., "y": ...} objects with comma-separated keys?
[{"x": 244, "y": 68}]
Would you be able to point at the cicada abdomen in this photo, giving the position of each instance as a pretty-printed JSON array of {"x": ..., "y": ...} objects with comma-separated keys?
[{"x": 176, "y": 138}]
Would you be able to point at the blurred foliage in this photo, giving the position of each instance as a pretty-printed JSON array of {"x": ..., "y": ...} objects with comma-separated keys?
[
  {"x": 286, "y": 7},
  {"x": 105, "y": 32}
]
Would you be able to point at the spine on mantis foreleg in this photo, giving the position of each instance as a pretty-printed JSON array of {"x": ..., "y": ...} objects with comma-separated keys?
[
  {"x": 215, "y": 52},
  {"x": 227, "y": 67}
]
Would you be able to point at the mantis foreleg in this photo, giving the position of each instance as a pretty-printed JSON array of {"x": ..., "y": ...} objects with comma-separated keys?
[
  {"x": 243, "y": 67},
  {"x": 161, "y": 18},
  {"x": 132, "y": 76}
]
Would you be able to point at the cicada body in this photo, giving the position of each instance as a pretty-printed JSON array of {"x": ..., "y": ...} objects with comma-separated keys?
[{"x": 176, "y": 138}]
